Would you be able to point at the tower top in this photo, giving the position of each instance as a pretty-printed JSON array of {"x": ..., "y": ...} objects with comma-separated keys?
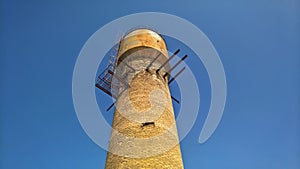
[{"x": 142, "y": 38}]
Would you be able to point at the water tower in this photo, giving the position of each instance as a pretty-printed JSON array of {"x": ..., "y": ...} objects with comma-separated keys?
[{"x": 144, "y": 131}]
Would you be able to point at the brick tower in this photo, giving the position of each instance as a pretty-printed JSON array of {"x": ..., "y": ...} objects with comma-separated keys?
[{"x": 144, "y": 131}]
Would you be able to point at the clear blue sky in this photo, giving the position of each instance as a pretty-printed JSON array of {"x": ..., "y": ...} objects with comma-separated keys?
[{"x": 258, "y": 42}]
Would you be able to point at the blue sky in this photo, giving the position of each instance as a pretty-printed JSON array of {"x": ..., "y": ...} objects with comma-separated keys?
[{"x": 258, "y": 42}]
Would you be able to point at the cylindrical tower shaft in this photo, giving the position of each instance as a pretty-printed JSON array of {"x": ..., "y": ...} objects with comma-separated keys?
[{"x": 144, "y": 131}]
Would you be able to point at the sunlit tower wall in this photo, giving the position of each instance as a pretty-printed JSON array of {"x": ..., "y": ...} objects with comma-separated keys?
[{"x": 144, "y": 131}]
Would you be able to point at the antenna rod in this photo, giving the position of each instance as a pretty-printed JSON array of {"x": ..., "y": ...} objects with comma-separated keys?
[
  {"x": 110, "y": 106},
  {"x": 147, "y": 69},
  {"x": 105, "y": 90},
  {"x": 173, "y": 78},
  {"x": 171, "y": 57},
  {"x": 175, "y": 99},
  {"x": 119, "y": 78},
  {"x": 169, "y": 71}
]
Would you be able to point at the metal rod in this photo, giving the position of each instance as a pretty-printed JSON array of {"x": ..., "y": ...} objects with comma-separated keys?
[
  {"x": 175, "y": 99},
  {"x": 105, "y": 90},
  {"x": 119, "y": 78},
  {"x": 173, "y": 78},
  {"x": 110, "y": 106},
  {"x": 169, "y": 71},
  {"x": 171, "y": 57},
  {"x": 147, "y": 69}
]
